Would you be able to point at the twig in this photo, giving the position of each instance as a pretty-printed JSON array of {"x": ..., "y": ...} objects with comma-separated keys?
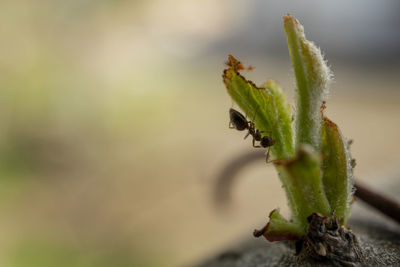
[
  {"x": 384, "y": 204},
  {"x": 227, "y": 175}
]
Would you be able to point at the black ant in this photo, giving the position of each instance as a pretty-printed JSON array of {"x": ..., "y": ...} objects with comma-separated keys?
[{"x": 240, "y": 123}]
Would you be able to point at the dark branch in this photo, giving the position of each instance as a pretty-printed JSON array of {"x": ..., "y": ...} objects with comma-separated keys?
[{"x": 226, "y": 178}]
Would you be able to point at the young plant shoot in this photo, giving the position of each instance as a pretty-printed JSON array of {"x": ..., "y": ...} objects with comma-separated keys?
[{"x": 312, "y": 159}]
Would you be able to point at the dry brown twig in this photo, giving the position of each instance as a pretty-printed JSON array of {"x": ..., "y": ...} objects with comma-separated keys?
[{"x": 227, "y": 176}]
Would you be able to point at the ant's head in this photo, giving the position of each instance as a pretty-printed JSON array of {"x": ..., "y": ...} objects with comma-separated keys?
[{"x": 267, "y": 141}]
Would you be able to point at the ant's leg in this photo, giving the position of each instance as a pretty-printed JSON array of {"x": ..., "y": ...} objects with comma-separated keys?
[
  {"x": 267, "y": 156},
  {"x": 267, "y": 160},
  {"x": 254, "y": 144},
  {"x": 247, "y": 98},
  {"x": 248, "y": 133},
  {"x": 273, "y": 126},
  {"x": 254, "y": 117},
  {"x": 270, "y": 131},
  {"x": 267, "y": 131},
  {"x": 255, "y": 113},
  {"x": 277, "y": 121}
]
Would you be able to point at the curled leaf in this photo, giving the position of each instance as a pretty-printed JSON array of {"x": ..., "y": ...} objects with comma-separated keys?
[
  {"x": 337, "y": 167},
  {"x": 278, "y": 228},
  {"x": 267, "y": 105}
]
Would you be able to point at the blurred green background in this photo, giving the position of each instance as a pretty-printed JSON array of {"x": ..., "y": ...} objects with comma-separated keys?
[{"x": 114, "y": 120}]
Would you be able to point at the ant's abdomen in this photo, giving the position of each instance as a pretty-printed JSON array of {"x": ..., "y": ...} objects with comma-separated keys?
[{"x": 238, "y": 121}]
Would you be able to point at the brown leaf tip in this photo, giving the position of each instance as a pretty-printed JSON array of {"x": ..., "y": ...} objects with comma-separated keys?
[
  {"x": 235, "y": 64},
  {"x": 330, "y": 123},
  {"x": 258, "y": 233}
]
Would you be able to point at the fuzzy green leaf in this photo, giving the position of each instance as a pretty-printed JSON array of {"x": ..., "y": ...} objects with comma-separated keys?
[
  {"x": 303, "y": 179},
  {"x": 267, "y": 105},
  {"x": 283, "y": 123},
  {"x": 338, "y": 178},
  {"x": 278, "y": 228},
  {"x": 312, "y": 79}
]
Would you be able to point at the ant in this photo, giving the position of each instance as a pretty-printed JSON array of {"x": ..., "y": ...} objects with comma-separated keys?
[{"x": 240, "y": 123}]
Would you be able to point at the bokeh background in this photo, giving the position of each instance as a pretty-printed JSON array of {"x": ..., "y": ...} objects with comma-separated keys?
[{"x": 114, "y": 120}]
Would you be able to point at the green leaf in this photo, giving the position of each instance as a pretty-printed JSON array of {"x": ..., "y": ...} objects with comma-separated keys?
[
  {"x": 338, "y": 178},
  {"x": 303, "y": 179},
  {"x": 283, "y": 123},
  {"x": 312, "y": 79},
  {"x": 278, "y": 228},
  {"x": 267, "y": 105}
]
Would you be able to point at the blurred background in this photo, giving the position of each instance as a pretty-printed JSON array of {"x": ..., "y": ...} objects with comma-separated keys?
[{"x": 114, "y": 120}]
